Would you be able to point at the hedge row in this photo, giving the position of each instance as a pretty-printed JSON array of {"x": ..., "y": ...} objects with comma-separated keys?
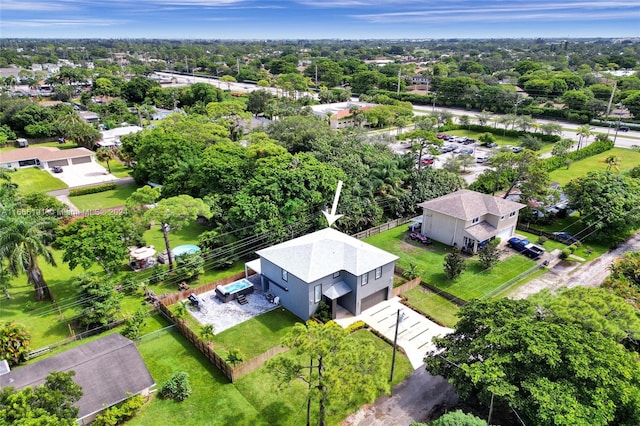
[
  {"x": 598, "y": 147},
  {"x": 500, "y": 132},
  {"x": 92, "y": 189}
]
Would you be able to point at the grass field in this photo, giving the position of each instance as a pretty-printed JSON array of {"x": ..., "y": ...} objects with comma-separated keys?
[
  {"x": 33, "y": 179},
  {"x": 104, "y": 200},
  {"x": 473, "y": 283},
  {"x": 255, "y": 399},
  {"x": 55, "y": 144},
  {"x": 629, "y": 159},
  {"x": 118, "y": 169},
  {"x": 435, "y": 306}
]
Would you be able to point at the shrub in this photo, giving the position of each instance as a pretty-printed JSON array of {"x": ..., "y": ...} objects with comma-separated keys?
[
  {"x": 565, "y": 254},
  {"x": 234, "y": 357},
  {"x": 542, "y": 239},
  {"x": 134, "y": 323},
  {"x": 177, "y": 387},
  {"x": 323, "y": 312},
  {"x": 92, "y": 189},
  {"x": 412, "y": 272},
  {"x": 15, "y": 343},
  {"x": 158, "y": 274},
  {"x": 189, "y": 267},
  {"x": 356, "y": 326},
  {"x": 120, "y": 413}
]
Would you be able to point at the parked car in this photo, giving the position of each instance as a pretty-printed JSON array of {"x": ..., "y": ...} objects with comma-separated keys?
[
  {"x": 441, "y": 135},
  {"x": 415, "y": 227},
  {"x": 468, "y": 141},
  {"x": 567, "y": 237},
  {"x": 525, "y": 247},
  {"x": 57, "y": 169},
  {"x": 468, "y": 151},
  {"x": 419, "y": 237},
  {"x": 517, "y": 149},
  {"x": 490, "y": 144},
  {"x": 623, "y": 128},
  {"x": 481, "y": 159}
]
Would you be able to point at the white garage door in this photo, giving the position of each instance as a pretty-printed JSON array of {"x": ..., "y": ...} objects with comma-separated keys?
[
  {"x": 373, "y": 299},
  {"x": 505, "y": 234},
  {"x": 81, "y": 160}
]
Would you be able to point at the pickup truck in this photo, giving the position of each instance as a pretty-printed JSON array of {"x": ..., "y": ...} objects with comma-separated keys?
[{"x": 525, "y": 247}]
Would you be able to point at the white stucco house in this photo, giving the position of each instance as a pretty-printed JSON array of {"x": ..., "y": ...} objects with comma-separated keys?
[
  {"x": 44, "y": 157},
  {"x": 468, "y": 219},
  {"x": 329, "y": 266}
]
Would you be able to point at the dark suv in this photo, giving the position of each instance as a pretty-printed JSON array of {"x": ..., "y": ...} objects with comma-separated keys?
[{"x": 57, "y": 169}]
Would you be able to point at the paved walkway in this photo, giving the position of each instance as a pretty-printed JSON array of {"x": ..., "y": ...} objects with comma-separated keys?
[{"x": 414, "y": 332}]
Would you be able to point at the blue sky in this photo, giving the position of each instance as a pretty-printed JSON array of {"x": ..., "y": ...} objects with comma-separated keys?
[{"x": 313, "y": 19}]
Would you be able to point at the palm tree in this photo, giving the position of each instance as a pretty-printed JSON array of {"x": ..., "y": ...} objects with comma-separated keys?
[
  {"x": 106, "y": 155},
  {"x": 22, "y": 240},
  {"x": 483, "y": 118},
  {"x": 207, "y": 333},
  {"x": 584, "y": 132}
]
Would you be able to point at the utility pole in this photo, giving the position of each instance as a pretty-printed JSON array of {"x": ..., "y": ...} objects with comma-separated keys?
[
  {"x": 238, "y": 67},
  {"x": 316, "y": 75},
  {"x": 395, "y": 346},
  {"x": 399, "y": 75}
]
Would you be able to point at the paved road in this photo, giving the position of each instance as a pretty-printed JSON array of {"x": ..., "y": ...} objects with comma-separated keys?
[
  {"x": 567, "y": 274},
  {"x": 415, "y": 399}
]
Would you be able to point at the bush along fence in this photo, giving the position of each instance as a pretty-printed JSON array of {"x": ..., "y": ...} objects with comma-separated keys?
[
  {"x": 595, "y": 148},
  {"x": 92, "y": 189},
  {"x": 233, "y": 373},
  {"x": 409, "y": 285}
]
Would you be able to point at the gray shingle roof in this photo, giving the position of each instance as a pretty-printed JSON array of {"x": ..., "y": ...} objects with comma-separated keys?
[
  {"x": 106, "y": 369},
  {"x": 466, "y": 205},
  {"x": 321, "y": 253}
]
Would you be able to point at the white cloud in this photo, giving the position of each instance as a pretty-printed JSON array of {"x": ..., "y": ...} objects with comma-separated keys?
[{"x": 33, "y": 23}]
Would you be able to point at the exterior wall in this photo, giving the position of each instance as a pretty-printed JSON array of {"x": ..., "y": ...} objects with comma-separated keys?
[
  {"x": 293, "y": 293},
  {"x": 299, "y": 295},
  {"x": 374, "y": 285},
  {"x": 445, "y": 229}
]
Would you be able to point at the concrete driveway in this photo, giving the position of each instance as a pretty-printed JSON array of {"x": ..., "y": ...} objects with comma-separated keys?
[
  {"x": 414, "y": 332},
  {"x": 83, "y": 174}
]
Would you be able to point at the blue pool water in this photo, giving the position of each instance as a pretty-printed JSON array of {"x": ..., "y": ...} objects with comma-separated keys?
[
  {"x": 235, "y": 286},
  {"x": 183, "y": 249}
]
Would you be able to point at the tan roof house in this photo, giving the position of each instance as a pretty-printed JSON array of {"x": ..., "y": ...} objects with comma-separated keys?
[
  {"x": 468, "y": 219},
  {"x": 44, "y": 157}
]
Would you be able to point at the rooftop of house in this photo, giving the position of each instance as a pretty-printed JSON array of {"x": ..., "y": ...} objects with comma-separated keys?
[
  {"x": 343, "y": 113},
  {"x": 467, "y": 205},
  {"x": 43, "y": 153},
  {"x": 321, "y": 253},
  {"x": 107, "y": 369}
]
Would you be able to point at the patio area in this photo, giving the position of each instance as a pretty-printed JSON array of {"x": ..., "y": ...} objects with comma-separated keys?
[{"x": 222, "y": 315}]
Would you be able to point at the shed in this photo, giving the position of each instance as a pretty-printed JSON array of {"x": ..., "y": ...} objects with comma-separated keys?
[{"x": 22, "y": 143}]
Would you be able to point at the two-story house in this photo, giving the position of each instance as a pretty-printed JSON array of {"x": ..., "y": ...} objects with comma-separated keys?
[
  {"x": 326, "y": 265},
  {"x": 468, "y": 219}
]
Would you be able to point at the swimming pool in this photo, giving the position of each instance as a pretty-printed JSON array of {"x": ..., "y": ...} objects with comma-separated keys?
[
  {"x": 231, "y": 291},
  {"x": 184, "y": 249}
]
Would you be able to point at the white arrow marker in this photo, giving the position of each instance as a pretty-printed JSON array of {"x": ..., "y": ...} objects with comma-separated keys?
[{"x": 332, "y": 217}]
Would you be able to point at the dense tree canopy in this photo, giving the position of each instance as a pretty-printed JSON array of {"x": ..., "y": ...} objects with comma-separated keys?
[{"x": 550, "y": 371}]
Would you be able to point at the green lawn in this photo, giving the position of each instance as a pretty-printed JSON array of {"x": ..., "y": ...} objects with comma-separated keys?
[
  {"x": 257, "y": 335},
  {"x": 104, "y": 200},
  {"x": 434, "y": 305},
  {"x": 629, "y": 159},
  {"x": 33, "y": 179},
  {"x": 118, "y": 169},
  {"x": 473, "y": 283},
  {"x": 55, "y": 144},
  {"x": 253, "y": 400}
]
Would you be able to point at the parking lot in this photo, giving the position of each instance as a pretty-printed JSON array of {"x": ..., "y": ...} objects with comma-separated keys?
[{"x": 83, "y": 174}]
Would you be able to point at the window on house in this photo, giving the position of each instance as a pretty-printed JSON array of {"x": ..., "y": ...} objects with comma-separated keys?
[
  {"x": 365, "y": 278},
  {"x": 475, "y": 220},
  {"x": 336, "y": 274},
  {"x": 317, "y": 293},
  {"x": 512, "y": 214},
  {"x": 285, "y": 275},
  {"x": 378, "y": 272}
]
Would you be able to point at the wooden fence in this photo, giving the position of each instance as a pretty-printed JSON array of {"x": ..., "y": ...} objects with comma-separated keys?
[
  {"x": 232, "y": 373},
  {"x": 411, "y": 284},
  {"x": 381, "y": 228},
  {"x": 527, "y": 228}
]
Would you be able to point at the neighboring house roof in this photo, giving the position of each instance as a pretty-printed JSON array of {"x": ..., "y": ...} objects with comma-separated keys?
[
  {"x": 119, "y": 131},
  {"x": 321, "y": 253},
  {"x": 344, "y": 113},
  {"x": 466, "y": 205},
  {"x": 107, "y": 369},
  {"x": 43, "y": 153}
]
